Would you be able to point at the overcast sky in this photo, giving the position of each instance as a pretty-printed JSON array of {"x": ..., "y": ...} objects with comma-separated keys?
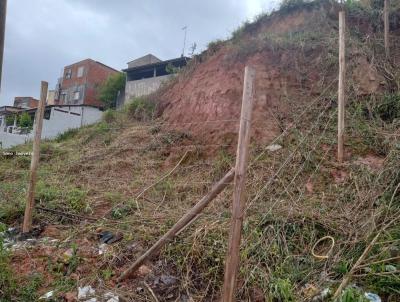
[{"x": 43, "y": 36}]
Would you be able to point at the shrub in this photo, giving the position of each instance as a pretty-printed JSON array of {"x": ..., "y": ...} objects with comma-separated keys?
[
  {"x": 109, "y": 116},
  {"x": 25, "y": 121},
  {"x": 76, "y": 199},
  {"x": 108, "y": 92},
  {"x": 389, "y": 109},
  {"x": 141, "y": 109}
]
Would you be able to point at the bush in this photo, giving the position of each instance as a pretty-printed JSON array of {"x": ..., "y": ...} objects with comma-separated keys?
[
  {"x": 109, "y": 116},
  {"x": 25, "y": 121},
  {"x": 108, "y": 92},
  {"x": 141, "y": 109}
]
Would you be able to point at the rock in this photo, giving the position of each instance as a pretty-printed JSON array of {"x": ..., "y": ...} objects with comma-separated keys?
[
  {"x": 85, "y": 292},
  {"x": 274, "y": 147},
  {"x": 70, "y": 297},
  {"x": 168, "y": 280},
  {"x": 144, "y": 270},
  {"x": 111, "y": 297},
  {"x": 103, "y": 248}
]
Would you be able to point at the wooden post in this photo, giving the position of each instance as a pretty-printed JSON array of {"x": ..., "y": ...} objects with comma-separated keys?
[
  {"x": 187, "y": 218},
  {"x": 30, "y": 202},
  {"x": 386, "y": 26},
  {"x": 232, "y": 259},
  {"x": 341, "y": 96}
]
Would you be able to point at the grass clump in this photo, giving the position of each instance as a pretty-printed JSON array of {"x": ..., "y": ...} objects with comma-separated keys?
[
  {"x": 140, "y": 109},
  {"x": 67, "y": 135}
]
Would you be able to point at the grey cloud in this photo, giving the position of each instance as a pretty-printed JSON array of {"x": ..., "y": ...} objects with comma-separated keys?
[{"x": 42, "y": 36}]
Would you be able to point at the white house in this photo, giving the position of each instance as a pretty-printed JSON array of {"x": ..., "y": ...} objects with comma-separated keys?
[{"x": 57, "y": 120}]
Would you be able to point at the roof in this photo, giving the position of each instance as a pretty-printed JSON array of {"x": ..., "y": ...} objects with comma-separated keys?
[
  {"x": 145, "y": 60},
  {"x": 52, "y": 106},
  {"x": 91, "y": 60},
  {"x": 180, "y": 59},
  {"x": 9, "y": 109}
]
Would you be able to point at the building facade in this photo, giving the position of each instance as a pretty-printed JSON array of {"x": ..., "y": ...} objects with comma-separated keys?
[
  {"x": 25, "y": 102},
  {"x": 81, "y": 81},
  {"x": 146, "y": 74}
]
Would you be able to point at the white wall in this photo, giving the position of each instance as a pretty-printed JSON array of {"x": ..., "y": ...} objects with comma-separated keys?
[
  {"x": 8, "y": 140},
  {"x": 61, "y": 119}
]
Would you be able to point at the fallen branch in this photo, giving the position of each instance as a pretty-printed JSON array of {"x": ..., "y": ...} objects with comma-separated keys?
[
  {"x": 67, "y": 215},
  {"x": 187, "y": 218}
]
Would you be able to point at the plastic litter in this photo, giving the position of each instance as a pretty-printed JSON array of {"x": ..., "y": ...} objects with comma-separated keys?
[
  {"x": 372, "y": 297},
  {"x": 274, "y": 147},
  {"x": 47, "y": 295}
]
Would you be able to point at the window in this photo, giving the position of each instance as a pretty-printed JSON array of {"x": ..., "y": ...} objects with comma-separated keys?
[
  {"x": 68, "y": 73},
  {"x": 80, "y": 71},
  {"x": 76, "y": 95}
]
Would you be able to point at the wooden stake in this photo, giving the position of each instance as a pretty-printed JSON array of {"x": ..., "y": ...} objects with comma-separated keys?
[
  {"x": 232, "y": 259},
  {"x": 30, "y": 202},
  {"x": 341, "y": 96},
  {"x": 187, "y": 218},
  {"x": 386, "y": 25}
]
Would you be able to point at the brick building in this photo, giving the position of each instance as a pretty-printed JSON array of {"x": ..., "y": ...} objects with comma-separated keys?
[
  {"x": 80, "y": 82},
  {"x": 25, "y": 102}
]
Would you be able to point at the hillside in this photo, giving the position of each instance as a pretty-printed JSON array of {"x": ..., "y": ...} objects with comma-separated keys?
[{"x": 135, "y": 176}]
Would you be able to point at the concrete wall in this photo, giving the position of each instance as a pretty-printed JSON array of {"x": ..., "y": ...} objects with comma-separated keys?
[
  {"x": 144, "y": 86},
  {"x": 8, "y": 140},
  {"x": 61, "y": 119}
]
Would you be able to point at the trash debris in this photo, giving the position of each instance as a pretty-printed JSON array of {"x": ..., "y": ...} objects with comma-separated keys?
[
  {"x": 111, "y": 297},
  {"x": 372, "y": 297},
  {"x": 390, "y": 268},
  {"x": 274, "y": 147},
  {"x": 325, "y": 293},
  {"x": 47, "y": 295},
  {"x": 110, "y": 238},
  {"x": 103, "y": 248},
  {"x": 85, "y": 292},
  {"x": 168, "y": 280}
]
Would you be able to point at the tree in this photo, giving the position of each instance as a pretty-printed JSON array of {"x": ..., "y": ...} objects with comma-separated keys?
[
  {"x": 25, "y": 121},
  {"x": 108, "y": 92}
]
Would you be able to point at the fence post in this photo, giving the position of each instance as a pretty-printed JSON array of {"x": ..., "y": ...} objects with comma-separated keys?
[
  {"x": 232, "y": 258},
  {"x": 30, "y": 202},
  {"x": 386, "y": 26},
  {"x": 341, "y": 95}
]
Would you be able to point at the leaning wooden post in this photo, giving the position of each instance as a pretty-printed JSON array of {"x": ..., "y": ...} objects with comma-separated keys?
[
  {"x": 30, "y": 202},
  {"x": 232, "y": 259},
  {"x": 386, "y": 26},
  {"x": 341, "y": 96},
  {"x": 185, "y": 220}
]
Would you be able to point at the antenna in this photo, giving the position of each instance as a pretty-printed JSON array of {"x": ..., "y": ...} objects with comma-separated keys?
[{"x": 184, "y": 41}]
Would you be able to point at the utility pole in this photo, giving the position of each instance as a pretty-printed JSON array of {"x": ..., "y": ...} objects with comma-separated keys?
[
  {"x": 3, "y": 13},
  {"x": 184, "y": 41}
]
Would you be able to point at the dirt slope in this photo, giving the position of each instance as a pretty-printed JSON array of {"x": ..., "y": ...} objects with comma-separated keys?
[{"x": 295, "y": 55}]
